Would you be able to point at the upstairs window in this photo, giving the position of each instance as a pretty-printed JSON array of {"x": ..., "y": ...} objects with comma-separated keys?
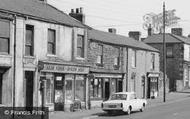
[
  {"x": 29, "y": 40},
  {"x": 133, "y": 58},
  {"x": 169, "y": 51},
  {"x": 80, "y": 46},
  {"x": 152, "y": 61},
  {"x": 100, "y": 56},
  {"x": 116, "y": 59},
  {"x": 51, "y": 42},
  {"x": 4, "y": 36}
]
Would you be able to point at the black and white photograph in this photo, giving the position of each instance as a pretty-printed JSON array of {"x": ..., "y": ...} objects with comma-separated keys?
[{"x": 94, "y": 59}]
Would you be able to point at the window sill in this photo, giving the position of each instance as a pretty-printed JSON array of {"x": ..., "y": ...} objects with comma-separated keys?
[
  {"x": 116, "y": 67},
  {"x": 80, "y": 58},
  {"x": 51, "y": 55},
  {"x": 100, "y": 65},
  {"x": 31, "y": 57}
]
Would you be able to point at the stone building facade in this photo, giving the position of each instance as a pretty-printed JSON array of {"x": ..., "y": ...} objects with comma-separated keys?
[{"x": 177, "y": 57}]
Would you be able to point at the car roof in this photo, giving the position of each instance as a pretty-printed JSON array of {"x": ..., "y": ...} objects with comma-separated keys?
[{"x": 125, "y": 93}]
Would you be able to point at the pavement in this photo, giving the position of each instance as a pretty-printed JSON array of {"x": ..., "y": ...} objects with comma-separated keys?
[{"x": 92, "y": 113}]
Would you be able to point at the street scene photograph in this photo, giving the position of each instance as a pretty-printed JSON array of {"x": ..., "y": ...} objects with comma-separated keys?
[{"x": 94, "y": 59}]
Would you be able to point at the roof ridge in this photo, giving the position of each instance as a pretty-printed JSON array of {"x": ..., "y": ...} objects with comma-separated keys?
[{"x": 175, "y": 37}]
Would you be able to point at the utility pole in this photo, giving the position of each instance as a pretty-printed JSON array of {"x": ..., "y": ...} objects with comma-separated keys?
[{"x": 164, "y": 56}]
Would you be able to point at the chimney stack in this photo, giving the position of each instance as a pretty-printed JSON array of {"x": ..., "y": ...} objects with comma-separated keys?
[
  {"x": 135, "y": 35},
  {"x": 177, "y": 31},
  {"x": 112, "y": 30},
  {"x": 150, "y": 30},
  {"x": 78, "y": 14}
]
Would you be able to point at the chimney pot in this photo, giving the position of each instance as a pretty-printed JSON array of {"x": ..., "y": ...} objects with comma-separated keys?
[
  {"x": 112, "y": 30},
  {"x": 81, "y": 10},
  {"x": 177, "y": 31},
  {"x": 72, "y": 10},
  {"x": 77, "y": 10},
  {"x": 135, "y": 35}
]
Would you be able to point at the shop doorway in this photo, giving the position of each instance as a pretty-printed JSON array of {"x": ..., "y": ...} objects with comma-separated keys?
[
  {"x": 119, "y": 85},
  {"x": 29, "y": 76},
  {"x": 59, "y": 93},
  {"x": 107, "y": 90},
  {"x": 152, "y": 87},
  {"x": 1, "y": 78}
]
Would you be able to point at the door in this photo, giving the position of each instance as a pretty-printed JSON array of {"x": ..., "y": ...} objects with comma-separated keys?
[
  {"x": 29, "y": 75},
  {"x": 59, "y": 93},
  {"x": 1, "y": 78},
  {"x": 107, "y": 89}
]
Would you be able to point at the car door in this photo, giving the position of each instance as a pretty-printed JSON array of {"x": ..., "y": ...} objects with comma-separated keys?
[{"x": 133, "y": 102}]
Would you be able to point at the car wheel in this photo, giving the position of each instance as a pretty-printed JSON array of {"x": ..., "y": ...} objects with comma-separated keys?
[
  {"x": 142, "y": 108},
  {"x": 129, "y": 110}
]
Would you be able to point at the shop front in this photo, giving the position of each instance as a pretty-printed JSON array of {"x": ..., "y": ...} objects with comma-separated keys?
[
  {"x": 103, "y": 85},
  {"x": 65, "y": 84},
  {"x": 152, "y": 85}
]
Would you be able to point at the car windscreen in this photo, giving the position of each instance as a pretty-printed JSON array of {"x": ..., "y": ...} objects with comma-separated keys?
[{"x": 118, "y": 97}]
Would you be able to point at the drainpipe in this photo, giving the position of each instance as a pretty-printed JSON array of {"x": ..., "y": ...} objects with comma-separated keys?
[{"x": 14, "y": 63}]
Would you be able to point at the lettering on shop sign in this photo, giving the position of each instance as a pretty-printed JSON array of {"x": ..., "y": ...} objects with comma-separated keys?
[{"x": 65, "y": 69}]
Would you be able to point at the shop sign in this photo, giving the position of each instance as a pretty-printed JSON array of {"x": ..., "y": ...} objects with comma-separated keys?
[
  {"x": 108, "y": 75},
  {"x": 65, "y": 69},
  {"x": 153, "y": 75}
]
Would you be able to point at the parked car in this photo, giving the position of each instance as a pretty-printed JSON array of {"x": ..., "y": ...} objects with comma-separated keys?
[{"x": 125, "y": 102}]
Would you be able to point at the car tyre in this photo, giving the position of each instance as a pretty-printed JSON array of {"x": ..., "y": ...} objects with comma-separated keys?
[
  {"x": 143, "y": 108},
  {"x": 129, "y": 110}
]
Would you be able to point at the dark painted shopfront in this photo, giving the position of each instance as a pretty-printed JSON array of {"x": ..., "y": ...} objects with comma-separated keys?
[
  {"x": 152, "y": 85},
  {"x": 64, "y": 84}
]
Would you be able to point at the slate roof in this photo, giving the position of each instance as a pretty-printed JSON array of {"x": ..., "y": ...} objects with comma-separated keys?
[
  {"x": 169, "y": 38},
  {"x": 39, "y": 10},
  {"x": 111, "y": 38}
]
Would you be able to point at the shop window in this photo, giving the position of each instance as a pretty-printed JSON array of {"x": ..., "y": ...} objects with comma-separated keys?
[
  {"x": 80, "y": 46},
  {"x": 49, "y": 90},
  {"x": 79, "y": 88},
  {"x": 29, "y": 40},
  {"x": 4, "y": 36},
  {"x": 51, "y": 42},
  {"x": 69, "y": 82},
  {"x": 96, "y": 88},
  {"x": 133, "y": 58}
]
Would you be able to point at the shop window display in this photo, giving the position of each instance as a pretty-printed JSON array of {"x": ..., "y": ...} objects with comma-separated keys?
[
  {"x": 96, "y": 88},
  {"x": 49, "y": 90},
  {"x": 79, "y": 90}
]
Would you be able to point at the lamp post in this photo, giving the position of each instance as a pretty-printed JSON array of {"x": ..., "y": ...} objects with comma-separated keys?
[{"x": 164, "y": 56}]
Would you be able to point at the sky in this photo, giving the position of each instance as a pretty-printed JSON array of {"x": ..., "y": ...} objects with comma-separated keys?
[{"x": 125, "y": 15}]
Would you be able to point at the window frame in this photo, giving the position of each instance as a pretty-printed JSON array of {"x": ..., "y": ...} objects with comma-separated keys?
[
  {"x": 100, "y": 56},
  {"x": 31, "y": 45},
  {"x": 81, "y": 46},
  {"x": 169, "y": 54},
  {"x": 52, "y": 43},
  {"x": 153, "y": 61},
  {"x": 134, "y": 61},
  {"x": 6, "y": 36}
]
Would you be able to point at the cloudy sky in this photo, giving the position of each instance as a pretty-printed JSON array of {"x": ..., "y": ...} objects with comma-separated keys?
[{"x": 125, "y": 15}]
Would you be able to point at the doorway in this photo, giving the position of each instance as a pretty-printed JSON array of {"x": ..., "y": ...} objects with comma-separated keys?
[
  {"x": 59, "y": 92},
  {"x": 107, "y": 89},
  {"x": 29, "y": 76},
  {"x": 1, "y": 78}
]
